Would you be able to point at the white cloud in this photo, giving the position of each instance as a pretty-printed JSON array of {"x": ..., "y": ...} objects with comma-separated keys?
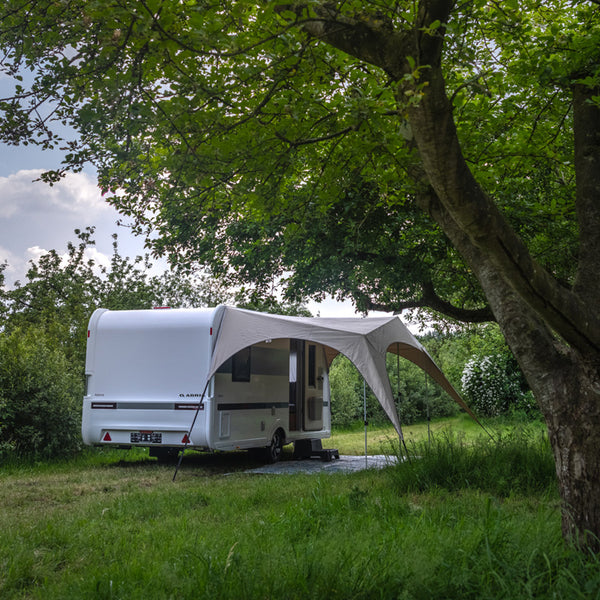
[
  {"x": 15, "y": 264},
  {"x": 75, "y": 196},
  {"x": 35, "y": 216},
  {"x": 99, "y": 258},
  {"x": 35, "y": 253}
]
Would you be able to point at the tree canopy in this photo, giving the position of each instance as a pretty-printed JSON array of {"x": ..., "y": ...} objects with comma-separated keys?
[
  {"x": 245, "y": 142},
  {"x": 433, "y": 154}
]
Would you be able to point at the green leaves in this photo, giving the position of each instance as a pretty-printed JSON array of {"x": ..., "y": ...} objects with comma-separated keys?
[
  {"x": 40, "y": 392},
  {"x": 238, "y": 138}
]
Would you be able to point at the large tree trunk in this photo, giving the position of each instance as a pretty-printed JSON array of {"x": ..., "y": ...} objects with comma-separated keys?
[
  {"x": 566, "y": 386},
  {"x": 570, "y": 401}
]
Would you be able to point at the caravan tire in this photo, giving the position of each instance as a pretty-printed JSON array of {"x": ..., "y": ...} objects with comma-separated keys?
[{"x": 273, "y": 451}]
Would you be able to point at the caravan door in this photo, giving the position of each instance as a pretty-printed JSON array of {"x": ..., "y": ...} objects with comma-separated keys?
[
  {"x": 313, "y": 391},
  {"x": 307, "y": 370}
]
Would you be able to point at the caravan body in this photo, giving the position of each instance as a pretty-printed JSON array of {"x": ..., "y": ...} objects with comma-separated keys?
[{"x": 149, "y": 378}]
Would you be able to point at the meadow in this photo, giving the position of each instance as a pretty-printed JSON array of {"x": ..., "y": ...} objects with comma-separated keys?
[{"x": 465, "y": 517}]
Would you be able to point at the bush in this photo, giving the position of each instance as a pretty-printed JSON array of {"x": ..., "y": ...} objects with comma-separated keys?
[
  {"x": 492, "y": 385},
  {"x": 425, "y": 403},
  {"x": 346, "y": 402},
  {"x": 40, "y": 397}
]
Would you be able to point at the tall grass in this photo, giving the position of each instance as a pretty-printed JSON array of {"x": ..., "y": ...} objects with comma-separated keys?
[
  {"x": 438, "y": 526},
  {"x": 516, "y": 461}
]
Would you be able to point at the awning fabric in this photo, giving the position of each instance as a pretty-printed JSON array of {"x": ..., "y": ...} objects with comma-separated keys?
[{"x": 365, "y": 341}]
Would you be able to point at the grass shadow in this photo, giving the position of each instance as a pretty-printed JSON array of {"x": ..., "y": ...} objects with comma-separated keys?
[{"x": 198, "y": 463}]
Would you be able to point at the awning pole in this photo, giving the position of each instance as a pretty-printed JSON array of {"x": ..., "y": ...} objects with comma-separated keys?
[
  {"x": 189, "y": 433},
  {"x": 428, "y": 411},
  {"x": 401, "y": 435},
  {"x": 365, "y": 420}
]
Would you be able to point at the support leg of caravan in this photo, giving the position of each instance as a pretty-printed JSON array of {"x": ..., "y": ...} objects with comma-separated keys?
[
  {"x": 313, "y": 447},
  {"x": 164, "y": 455}
]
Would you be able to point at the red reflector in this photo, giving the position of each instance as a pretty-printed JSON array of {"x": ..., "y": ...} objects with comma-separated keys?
[
  {"x": 211, "y": 331},
  {"x": 186, "y": 439},
  {"x": 161, "y": 307},
  {"x": 107, "y": 437},
  {"x": 88, "y": 333}
]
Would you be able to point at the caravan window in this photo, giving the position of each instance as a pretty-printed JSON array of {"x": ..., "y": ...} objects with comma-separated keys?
[
  {"x": 257, "y": 360},
  {"x": 240, "y": 368}
]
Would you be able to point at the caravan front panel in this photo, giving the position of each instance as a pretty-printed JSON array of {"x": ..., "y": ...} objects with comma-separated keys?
[{"x": 145, "y": 373}]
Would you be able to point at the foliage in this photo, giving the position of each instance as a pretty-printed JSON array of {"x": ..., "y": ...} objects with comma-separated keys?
[
  {"x": 268, "y": 154},
  {"x": 40, "y": 396},
  {"x": 419, "y": 398},
  {"x": 346, "y": 398},
  {"x": 491, "y": 385},
  {"x": 460, "y": 355}
]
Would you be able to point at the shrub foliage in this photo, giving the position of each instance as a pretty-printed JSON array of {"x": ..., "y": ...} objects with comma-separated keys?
[{"x": 40, "y": 397}]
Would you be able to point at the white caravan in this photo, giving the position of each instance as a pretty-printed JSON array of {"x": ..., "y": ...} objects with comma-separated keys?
[
  {"x": 148, "y": 380},
  {"x": 226, "y": 378}
]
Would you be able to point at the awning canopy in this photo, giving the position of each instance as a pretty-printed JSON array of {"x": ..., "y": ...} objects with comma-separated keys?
[{"x": 365, "y": 341}]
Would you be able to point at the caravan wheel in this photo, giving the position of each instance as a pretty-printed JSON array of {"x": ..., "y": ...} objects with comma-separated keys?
[{"x": 273, "y": 452}]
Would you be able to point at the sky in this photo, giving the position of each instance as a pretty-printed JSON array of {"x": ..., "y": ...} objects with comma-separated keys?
[{"x": 36, "y": 217}]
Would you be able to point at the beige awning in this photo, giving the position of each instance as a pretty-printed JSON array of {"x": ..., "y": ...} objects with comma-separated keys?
[{"x": 364, "y": 341}]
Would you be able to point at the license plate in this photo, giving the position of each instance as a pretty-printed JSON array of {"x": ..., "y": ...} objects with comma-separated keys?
[{"x": 148, "y": 437}]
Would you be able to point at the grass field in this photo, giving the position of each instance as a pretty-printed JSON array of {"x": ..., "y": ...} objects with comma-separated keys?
[
  {"x": 383, "y": 439},
  {"x": 467, "y": 517}
]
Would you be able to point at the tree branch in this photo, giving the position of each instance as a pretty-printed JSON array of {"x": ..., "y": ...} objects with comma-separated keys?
[
  {"x": 316, "y": 140},
  {"x": 429, "y": 299},
  {"x": 445, "y": 167},
  {"x": 363, "y": 36}
]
